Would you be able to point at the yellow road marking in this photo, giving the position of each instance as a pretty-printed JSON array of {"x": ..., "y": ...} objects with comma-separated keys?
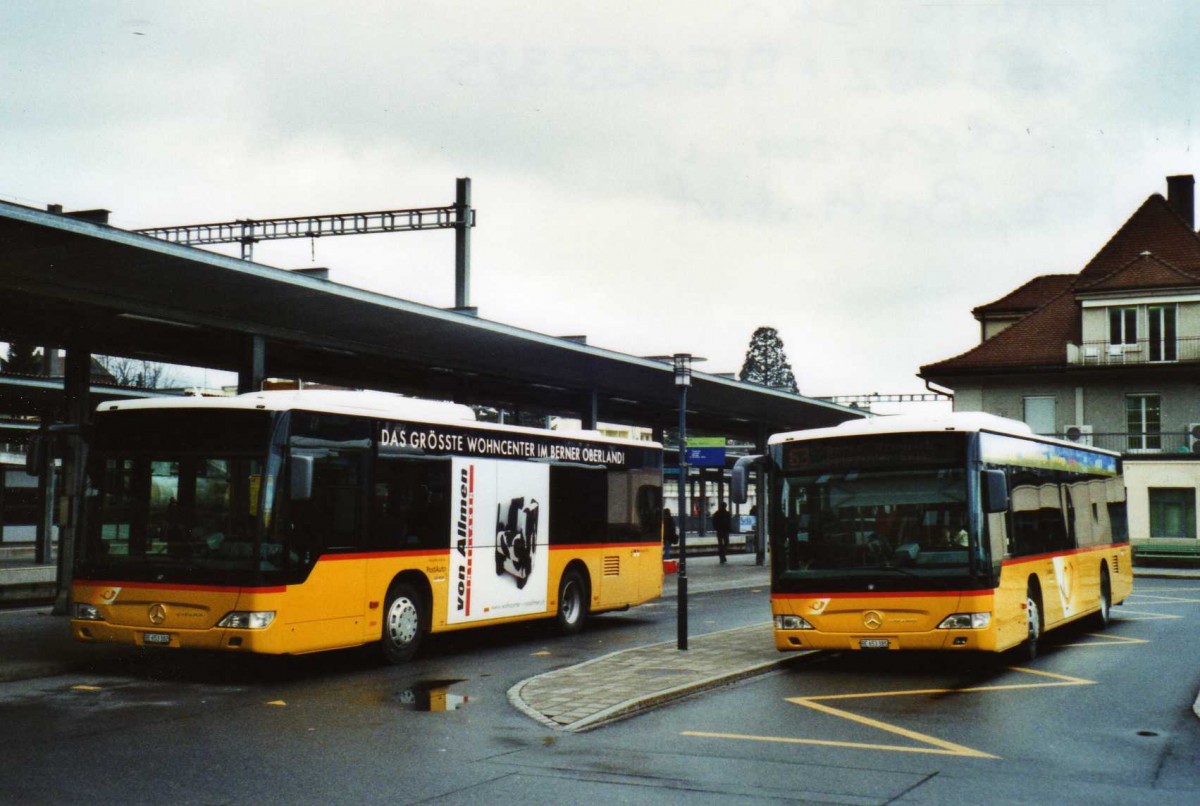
[
  {"x": 1163, "y": 599},
  {"x": 1142, "y": 615},
  {"x": 1108, "y": 640},
  {"x": 933, "y": 745},
  {"x": 82, "y": 687},
  {"x": 952, "y": 749}
]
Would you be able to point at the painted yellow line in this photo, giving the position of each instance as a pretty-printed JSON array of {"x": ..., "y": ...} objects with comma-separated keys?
[
  {"x": 1170, "y": 600},
  {"x": 933, "y": 745},
  {"x": 1142, "y": 615},
  {"x": 1107, "y": 640},
  {"x": 946, "y": 748},
  {"x": 827, "y": 743}
]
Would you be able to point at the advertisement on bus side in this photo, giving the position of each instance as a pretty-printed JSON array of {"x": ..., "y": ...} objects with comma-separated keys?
[{"x": 499, "y": 557}]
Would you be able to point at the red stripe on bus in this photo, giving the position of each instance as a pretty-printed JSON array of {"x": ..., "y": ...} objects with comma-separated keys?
[
  {"x": 582, "y": 546},
  {"x": 470, "y": 538},
  {"x": 1050, "y": 555},
  {"x": 375, "y": 555}
]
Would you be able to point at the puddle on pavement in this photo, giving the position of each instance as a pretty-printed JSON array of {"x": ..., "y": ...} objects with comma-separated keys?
[{"x": 431, "y": 695}]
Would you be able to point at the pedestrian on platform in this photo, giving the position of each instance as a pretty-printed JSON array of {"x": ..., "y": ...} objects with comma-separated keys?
[
  {"x": 670, "y": 536},
  {"x": 722, "y": 523}
]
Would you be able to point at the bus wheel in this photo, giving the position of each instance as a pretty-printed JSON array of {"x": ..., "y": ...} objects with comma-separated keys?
[
  {"x": 572, "y": 602},
  {"x": 1104, "y": 615},
  {"x": 1033, "y": 613},
  {"x": 402, "y": 624}
]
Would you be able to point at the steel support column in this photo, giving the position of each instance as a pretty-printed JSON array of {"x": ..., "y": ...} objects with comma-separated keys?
[
  {"x": 760, "y": 500},
  {"x": 462, "y": 244},
  {"x": 76, "y": 386},
  {"x": 253, "y": 370}
]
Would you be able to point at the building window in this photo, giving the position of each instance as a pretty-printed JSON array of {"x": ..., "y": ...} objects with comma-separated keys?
[
  {"x": 1160, "y": 321},
  {"x": 1143, "y": 415},
  {"x": 1172, "y": 512},
  {"x": 1122, "y": 326}
]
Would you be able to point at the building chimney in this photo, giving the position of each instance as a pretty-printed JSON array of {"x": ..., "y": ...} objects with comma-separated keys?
[{"x": 1181, "y": 195}]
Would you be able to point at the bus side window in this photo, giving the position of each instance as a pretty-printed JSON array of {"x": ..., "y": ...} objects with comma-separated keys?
[
  {"x": 1038, "y": 515},
  {"x": 410, "y": 507}
]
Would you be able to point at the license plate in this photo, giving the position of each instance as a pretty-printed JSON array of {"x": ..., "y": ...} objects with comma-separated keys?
[
  {"x": 157, "y": 638},
  {"x": 873, "y": 643}
]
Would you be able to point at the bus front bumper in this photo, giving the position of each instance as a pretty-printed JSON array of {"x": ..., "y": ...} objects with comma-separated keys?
[
  {"x": 216, "y": 638},
  {"x": 794, "y": 640}
]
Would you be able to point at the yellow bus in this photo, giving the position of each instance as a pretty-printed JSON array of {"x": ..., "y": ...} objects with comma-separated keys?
[
  {"x": 294, "y": 522},
  {"x": 959, "y": 532}
]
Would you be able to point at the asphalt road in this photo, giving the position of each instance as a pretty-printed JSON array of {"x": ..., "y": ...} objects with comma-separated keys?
[{"x": 1093, "y": 720}]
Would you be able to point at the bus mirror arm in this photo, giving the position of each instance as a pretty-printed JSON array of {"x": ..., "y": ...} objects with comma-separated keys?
[
  {"x": 737, "y": 484},
  {"x": 995, "y": 491},
  {"x": 301, "y": 478}
]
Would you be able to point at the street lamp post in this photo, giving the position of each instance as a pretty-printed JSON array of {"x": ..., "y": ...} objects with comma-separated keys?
[{"x": 683, "y": 379}]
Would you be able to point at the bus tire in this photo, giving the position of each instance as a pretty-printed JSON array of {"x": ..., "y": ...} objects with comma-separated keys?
[
  {"x": 1104, "y": 614},
  {"x": 1033, "y": 614},
  {"x": 403, "y": 624},
  {"x": 572, "y": 602}
]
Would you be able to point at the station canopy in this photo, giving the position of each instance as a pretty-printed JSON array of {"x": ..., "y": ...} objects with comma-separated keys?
[{"x": 66, "y": 280}]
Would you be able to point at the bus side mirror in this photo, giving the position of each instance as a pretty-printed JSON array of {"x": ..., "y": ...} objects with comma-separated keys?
[
  {"x": 301, "y": 478},
  {"x": 995, "y": 491},
  {"x": 737, "y": 484}
]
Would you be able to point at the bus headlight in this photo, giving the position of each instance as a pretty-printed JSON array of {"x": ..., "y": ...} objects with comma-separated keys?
[
  {"x": 87, "y": 612},
  {"x": 247, "y": 619},
  {"x": 791, "y": 623},
  {"x": 966, "y": 621}
]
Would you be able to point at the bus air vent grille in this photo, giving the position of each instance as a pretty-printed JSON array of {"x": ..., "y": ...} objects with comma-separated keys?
[
  {"x": 612, "y": 566},
  {"x": 1116, "y": 561}
]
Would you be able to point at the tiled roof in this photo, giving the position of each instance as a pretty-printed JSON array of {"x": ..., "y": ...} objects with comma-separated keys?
[
  {"x": 1144, "y": 271},
  {"x": 1032, "y": 295},
  {"x": 1154, "y": 228},
  {"x": 1155, "y": 248},
  {"x": 1038, "y": 340}
]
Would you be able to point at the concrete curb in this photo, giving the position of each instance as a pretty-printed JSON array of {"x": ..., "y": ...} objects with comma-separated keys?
[{"x": 639, "y": 701}]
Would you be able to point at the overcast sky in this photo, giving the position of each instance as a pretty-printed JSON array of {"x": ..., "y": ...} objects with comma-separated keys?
[{"x": 660, "y": 176}]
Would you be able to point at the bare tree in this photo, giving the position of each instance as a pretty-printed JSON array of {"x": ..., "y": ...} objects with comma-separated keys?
[{"x": 137, "y": 372}]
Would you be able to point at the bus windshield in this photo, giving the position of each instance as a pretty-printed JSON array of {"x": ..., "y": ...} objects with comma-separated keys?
[
  {"x": 187, "y": 508},
  {"x": 856, "y": 526}
]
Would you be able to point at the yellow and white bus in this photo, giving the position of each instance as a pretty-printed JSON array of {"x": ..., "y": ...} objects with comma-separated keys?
[
  {"x": 293, "y": 522},
  {"x": 960, "y": 532}
]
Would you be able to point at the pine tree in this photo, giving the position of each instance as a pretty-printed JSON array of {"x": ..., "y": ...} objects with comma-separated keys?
[
  {"x": 766, "y": 364},
  {"x": 23, "y": 359}
]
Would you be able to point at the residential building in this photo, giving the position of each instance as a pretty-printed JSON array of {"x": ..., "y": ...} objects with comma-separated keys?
[{"x": 1109, "y": 356}]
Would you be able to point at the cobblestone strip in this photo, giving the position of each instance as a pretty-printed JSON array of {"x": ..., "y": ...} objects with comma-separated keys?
[{"x": 628, "y": 681}]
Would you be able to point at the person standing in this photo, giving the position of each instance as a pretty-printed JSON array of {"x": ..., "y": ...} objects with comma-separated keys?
[
  {"x": 670, "y": 536},
  {"x": 722, "y": 522}
]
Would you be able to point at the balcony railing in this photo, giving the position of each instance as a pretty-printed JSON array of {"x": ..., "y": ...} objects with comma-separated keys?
[
  {"x": 1145, "y": 351},
  {"x": 1139, "y": 444}
]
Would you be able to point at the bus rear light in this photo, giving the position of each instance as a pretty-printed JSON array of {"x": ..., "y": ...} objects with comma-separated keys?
[
  {"x": 791, "y": 623},
  {"x": 247, "y": 619},
  {"x": 966, "y": 621},
  {"x": 87, "y": 612}
]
